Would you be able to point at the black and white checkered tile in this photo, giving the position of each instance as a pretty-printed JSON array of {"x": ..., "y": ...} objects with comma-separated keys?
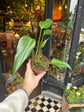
[{"x": 43, "y": 104}]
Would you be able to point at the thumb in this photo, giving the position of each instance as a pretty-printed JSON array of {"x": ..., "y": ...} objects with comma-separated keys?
[
  {"x": 29, "y": 64},
  {"x": 41, "y": 75}
]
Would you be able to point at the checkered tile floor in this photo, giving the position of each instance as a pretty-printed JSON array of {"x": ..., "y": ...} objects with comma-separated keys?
[{"x": 43, "y": 104}]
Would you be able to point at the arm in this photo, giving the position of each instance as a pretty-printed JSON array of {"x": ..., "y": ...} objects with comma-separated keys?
[
  {"x": 18, "y": 101},
  {"x": 15, "y": 102}
]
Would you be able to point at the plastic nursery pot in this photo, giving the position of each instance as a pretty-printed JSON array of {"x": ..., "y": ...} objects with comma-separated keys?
[{"x": 37, "y": 67}]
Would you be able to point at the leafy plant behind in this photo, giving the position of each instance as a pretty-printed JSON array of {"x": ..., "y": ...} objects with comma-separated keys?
[{"x": 26, "y": 45}]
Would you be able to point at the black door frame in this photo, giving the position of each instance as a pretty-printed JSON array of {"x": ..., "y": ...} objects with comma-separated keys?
[
  {"x": 46, "y": 82},
  {"x": 75, "y": 38}
]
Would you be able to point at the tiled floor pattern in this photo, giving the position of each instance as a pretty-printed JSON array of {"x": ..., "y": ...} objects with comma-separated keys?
[{"x": 43, "y": 104}]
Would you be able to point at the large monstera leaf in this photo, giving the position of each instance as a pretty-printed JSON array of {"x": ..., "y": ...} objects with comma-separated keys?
[{"x": 24, "y": 48}]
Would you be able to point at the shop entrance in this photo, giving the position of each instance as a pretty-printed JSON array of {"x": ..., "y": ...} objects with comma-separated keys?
[
  {"x": 63, "y": 45},
  {"x": 63, "y": 42}
]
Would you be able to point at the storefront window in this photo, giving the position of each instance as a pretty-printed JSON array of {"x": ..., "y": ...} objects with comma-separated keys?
[
  {"x": 22, "y": 18},
  {"x": 62, "y": 28},
  {"x": 78, "y": 70}
]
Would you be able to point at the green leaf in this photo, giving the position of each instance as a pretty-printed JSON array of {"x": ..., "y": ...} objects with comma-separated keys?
[
  {"x": 47, "y": 32},
  {"x": 63, "y": 2},
  {"x": 41, "y": 24},
  {"x": 39, "y": 63},
  {"x": 60, "y": 63},
  {"x": 24, "y": 48},
  {"x": 45, "y": 24},
  {"x": 44, "y": 42}
]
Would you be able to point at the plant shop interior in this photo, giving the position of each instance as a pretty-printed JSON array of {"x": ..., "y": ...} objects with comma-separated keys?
[{"x": 61, "y": 89}]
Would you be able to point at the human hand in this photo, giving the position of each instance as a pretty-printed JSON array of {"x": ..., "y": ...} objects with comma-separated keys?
[{"x": 31, "y": 80}]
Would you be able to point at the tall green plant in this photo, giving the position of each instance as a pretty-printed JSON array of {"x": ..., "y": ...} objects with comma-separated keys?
[{"x": 26, "y": 45}]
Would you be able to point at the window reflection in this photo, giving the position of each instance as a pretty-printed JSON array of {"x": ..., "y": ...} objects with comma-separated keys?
[
  {"x": 79, "y": 62},
  {"x": 57, "y": 11},
  {"x": 63, "y": 21}
]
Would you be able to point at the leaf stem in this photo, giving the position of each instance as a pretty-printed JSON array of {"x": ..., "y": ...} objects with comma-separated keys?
[
  {"x": 33, "y": 55},
  {"x": 40, "y": 45},
  {"x": 37, "y": 50}
]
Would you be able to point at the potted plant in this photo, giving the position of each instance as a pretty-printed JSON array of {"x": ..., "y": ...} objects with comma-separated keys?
[
  {"x": 26, "y": 45},
  {"x": 74, "y": 94}
]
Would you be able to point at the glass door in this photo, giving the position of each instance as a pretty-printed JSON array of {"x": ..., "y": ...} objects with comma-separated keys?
[
  {"x": 64, "y": 14},
  {"x": 78, "y": 71},
  {"x": 62, "y": 28}
]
